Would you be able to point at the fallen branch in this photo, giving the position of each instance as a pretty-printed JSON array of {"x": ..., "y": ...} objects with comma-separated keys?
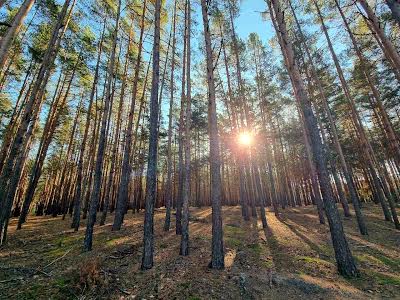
[{"x": 40, "y": 270}]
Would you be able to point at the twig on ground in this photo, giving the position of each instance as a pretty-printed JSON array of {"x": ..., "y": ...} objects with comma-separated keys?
[{"x": 58, "y": 258}]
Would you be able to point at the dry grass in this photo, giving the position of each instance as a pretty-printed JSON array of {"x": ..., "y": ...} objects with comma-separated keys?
[{"x": 292, "y": 259}]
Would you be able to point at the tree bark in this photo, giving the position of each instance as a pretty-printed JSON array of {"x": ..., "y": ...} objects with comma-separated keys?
[
  {"x": 148, "y": 236},
  {"x": 78, "y": 191},
  {"x": 98, "y": 170},
  {"x": 126, "y": 169},
  {"x": 31, "y": 110},
  {"x": 372, "y": 19},
  {"x": 168, "y": 186},
  {"x": 7, "y": 39},
  {"x": 217, "y": 250},
  {"x": 344, "y": 258},
  {"x": 184, "y": 249}
]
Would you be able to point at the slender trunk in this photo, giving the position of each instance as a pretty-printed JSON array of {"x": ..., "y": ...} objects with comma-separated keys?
[
  {"x": 31, "y": 111},
  {"x": 126, "y": 169},
  {"x": 43, "y": 147},
  {"x": 117, "y": 133},
  {"x": 366, "y": 148},
  {"x": 148, "y": 236},
  {"x": 184, "y": 249},
  {"x": 181, "y": 162},
  {"x": 7, "y": 39},
  {"x": 168, "y": 189},
  {"x": 79, "y": 178},
  {"x": 217, "y": 253},
  {"x": 95, "y": 197},
  {"x": 388, "y": 127}
]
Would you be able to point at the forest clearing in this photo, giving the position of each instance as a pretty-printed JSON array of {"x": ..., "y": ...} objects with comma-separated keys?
[
  {"x": 292, "y": 259},
  {"x": 199, "y": 149}
]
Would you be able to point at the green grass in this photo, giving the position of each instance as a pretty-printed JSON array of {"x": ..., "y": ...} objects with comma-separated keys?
[
  {"x": 233, "y": 236},
  {"x": 367, "y": 258},
  {"x": 393, "y": 263},
  {"x": 313, "y": 260},
  {"x": 62, "y": 244},
  {"x": 233, "y": 230},
  {"x": 386, "y": 279},
  {"x": 255, "y": 249},
  {"x": 233, "y": 243}
]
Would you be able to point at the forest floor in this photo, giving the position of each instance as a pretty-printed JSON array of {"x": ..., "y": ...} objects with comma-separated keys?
[{"x": 293, "y": 259}]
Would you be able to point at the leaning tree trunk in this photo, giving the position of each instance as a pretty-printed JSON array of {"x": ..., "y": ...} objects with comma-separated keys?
[
  {"x": 98, "y": 171},
  {"x": 32, "y": 109},
  {"x": 11, "y": 32},
  {"x": 344, "y": 258},
  {"x": 388, "y": 127},
  {"x": 48, "y": 132},
  {"x": 126, "y": 168},
  {"x": 366, "y": 147},
  {"x": 377, "y": 28},
  {"x": 79, "y": 178}
]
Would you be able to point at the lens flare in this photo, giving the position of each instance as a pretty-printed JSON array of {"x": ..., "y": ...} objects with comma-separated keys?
[{"x": 245, "y": 138}]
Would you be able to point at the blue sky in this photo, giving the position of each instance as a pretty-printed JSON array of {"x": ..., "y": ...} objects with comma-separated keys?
[{"x": 250, "y": 20}]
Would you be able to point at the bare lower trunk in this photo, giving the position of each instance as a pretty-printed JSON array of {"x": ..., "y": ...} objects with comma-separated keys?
[
  {"x": 217, "y": 253},
  {"x": 148, "y": 236},
  {"x": 184, "y": 249}
]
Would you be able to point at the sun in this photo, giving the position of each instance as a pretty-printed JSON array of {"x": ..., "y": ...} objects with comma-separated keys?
[{"x": 245, "y": 138}]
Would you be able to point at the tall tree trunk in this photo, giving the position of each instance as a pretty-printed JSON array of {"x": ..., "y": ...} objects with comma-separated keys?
[
  {"x": 217, "y": 249},
  {"x": 79, "y": 178},
  {"x": 181, "y": 163},
  {"x": 98, "y": 171},
  {"x": 168, "y": 189},
  {"x": 126, "y": 169},
  {"x": 117, "y": 133},
  {"x": 41, "y": 155},
  {"x": 11, "y": 32},
  {"x": 366, "y": 146},
  {"x": 148, "y": 236},
  {"x": 333, "y": 131},
  {"x": 184, "y": 249},
  {"x": 31, "y": 111},
  {"x": 388, "y": 127},
  {"x": 372, "y": 19},
  {"x": 344, "y": 258}
]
